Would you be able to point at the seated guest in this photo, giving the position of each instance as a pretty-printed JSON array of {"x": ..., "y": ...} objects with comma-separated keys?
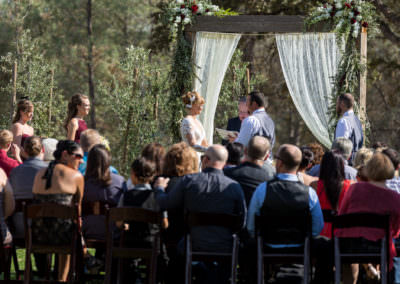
[
  {"x": 60, "y": 183},
  {"x": 141, "y": 195},
  {"x": 235, "y": 123},
  {"x": 154, "y": 152},
  {"x": 394, "y": 157},
  {"x": 6, "y": 163},
  {"x": 373, "y": 197},
  {"x": 318, "y": 151},
  {"x": 207, "y": 191},
  {"x": 306, "y": 163},
  {"x": 285, "y": 188},
  {"x": 331, "y": 186},
  {"x": 6, "y": 207},
  {"x": 251, "y": 173},
  {"x": 343, "y": 147},
  {"x": 100, "y": 185},
  {"x": 49, "y": 146},
  {"x": 235, "y": 154},
  {"x": 360, "y": 160},
  {"x": 23, "y": 176},
  {"x": 284, "y": 193},
  {"x": 179, "y": 161},
  {"x": 88, "y": 139}
]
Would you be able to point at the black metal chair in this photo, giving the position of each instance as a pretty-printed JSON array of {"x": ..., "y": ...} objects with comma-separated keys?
[
  {"x": 120, "y": 250},
  {"x": 51, "y": 210},
  {"x": 293, "y": 228},
  {"x": 362, "y": 255},
  {"x": 195, "y": 219}
]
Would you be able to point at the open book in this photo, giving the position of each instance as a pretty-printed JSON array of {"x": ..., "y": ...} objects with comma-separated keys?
[{"x": 225, "y": 134}]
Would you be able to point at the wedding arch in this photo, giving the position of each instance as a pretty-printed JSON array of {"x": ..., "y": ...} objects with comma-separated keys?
[{"x": 309, "y": 62}]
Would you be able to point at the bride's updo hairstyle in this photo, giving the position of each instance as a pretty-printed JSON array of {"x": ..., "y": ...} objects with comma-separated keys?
[{"x": 192, "y": 98}]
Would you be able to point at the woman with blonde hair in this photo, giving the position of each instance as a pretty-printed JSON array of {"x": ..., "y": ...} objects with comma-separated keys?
[
  {"x": 20, "y": 127},
  {"x": 192, "y": 130},
  {"x": 78, "y": 108}
]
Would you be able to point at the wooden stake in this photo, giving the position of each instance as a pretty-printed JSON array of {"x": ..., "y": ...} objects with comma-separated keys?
[
  {"x": 248, "y": 80},
  {"x": 51, "y": 95},
  {"x": 129, "y": 118},
  {"x": 156, "y": 98},
  {"x": 14, "y": 94},
  {"x": 363, "y": 79}
]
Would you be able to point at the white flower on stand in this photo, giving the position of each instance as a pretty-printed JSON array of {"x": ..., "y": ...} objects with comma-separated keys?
[{"x": 356, "y": 30}]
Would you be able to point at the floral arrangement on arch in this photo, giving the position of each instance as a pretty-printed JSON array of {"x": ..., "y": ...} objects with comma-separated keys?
[
  {"x": 182, "y": 12},
  {"x": 348, "y": 16}
]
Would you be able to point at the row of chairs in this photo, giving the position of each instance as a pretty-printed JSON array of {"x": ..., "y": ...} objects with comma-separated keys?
[{"x": 267, "y": 230}]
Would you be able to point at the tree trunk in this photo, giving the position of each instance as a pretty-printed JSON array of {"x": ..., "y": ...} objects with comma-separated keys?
[{"x": 90, "y": 65}]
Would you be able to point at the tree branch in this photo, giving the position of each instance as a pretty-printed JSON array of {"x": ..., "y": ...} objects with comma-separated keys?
[
  {"x": 389, "y": 34},
  {"x": 388, "y": 13}
]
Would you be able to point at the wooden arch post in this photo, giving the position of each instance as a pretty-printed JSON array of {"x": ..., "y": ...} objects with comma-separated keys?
[{"x": 363, "y": 79}]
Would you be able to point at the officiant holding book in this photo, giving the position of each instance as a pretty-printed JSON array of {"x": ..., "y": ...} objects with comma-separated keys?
[{"x": 235, "y": 123}]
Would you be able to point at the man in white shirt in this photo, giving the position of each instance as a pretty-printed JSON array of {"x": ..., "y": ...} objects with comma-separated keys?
[
  {"x": 258, "y": 123},
  {"x": 349, "y": 125}
]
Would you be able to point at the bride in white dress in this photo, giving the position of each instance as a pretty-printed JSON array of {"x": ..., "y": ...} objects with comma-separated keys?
[{"x": 192, "y": 130}]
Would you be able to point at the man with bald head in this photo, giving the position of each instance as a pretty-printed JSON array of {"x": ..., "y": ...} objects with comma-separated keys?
[
  {"x": 349, "y": 125},
  {"x": 285, "y": 192},
  {"x": 207, "y": 191},
  {"x": 251, "y": 172}
]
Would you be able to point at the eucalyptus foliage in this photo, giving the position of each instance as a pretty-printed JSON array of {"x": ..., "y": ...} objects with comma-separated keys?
[
  {"x": 34, "y": 75},
  {"x": 131, "y": 101}
]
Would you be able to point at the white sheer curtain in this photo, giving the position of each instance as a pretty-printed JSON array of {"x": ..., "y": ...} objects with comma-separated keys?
[
  {"x": 212, "y": 54},
  {"x": 309, "y": 63}
]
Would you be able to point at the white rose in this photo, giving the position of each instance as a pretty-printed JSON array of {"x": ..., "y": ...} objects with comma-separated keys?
[
  {"x": 176, "y": 10},
  {"x": 359, "y": 18},
  {"x": 209, "y": 13},
  {"x": 339, "y": 14},
  {"x": 180, "y": 1},
  {"x": 178, "y": 19},
  {"x": 338, "y": 6},
  {"x": 351, "y": 15},
  {"x": 186, "y": 20}
]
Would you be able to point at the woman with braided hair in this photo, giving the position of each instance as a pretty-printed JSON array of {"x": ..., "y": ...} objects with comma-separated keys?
[{"x": 60, "y": 183}]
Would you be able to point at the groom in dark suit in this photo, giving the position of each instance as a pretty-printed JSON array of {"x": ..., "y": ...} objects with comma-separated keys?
[{"x": 235, "y": 123}]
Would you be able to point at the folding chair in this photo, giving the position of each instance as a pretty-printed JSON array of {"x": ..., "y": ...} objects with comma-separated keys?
[
  {"x": 5, "y": 258},
  {"x": 293, "y": 228},
  {"x": 96, "y": 208},
  {"x": 18, "y": 242},
  {"x": 195, "y": 219},
  {"x": 362, "y": 255},
  {"x": 51, "y": 210},
  {"x": 132, "y": 214}
]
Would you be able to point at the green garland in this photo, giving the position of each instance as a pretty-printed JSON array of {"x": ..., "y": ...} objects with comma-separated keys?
[{"x": 346, "y": 18}]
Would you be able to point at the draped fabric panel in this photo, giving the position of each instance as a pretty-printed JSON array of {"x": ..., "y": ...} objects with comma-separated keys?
[
  {"x": 309, "y": 63},
  {"x": 212, "y": 54}
]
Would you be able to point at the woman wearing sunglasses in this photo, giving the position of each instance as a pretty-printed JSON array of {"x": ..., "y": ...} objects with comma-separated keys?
[{"x": 60, "y": 183}]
